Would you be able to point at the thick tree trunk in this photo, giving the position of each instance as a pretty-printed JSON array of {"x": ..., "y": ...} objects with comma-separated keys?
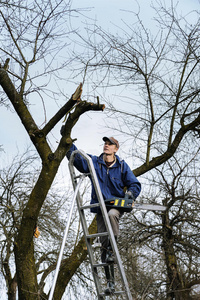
[
  {"x": 12, "y": 290},
  {"x": 24, "y": 246},
  {"x": 175, "y": 290},
  {"x": 26, "y": 272}
]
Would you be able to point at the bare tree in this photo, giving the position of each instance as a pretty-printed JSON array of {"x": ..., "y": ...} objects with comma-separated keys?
[
  {"x": 161, "y": 73},
  {"x": 15, "y": 187},
  {"x": 16, "y": 182},
  {"x": 157, "y": 77},
  {"x": 165, "y": 245},
  {"x": 31, "y": 32}
]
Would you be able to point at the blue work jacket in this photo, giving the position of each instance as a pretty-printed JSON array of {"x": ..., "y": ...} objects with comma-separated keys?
[{"x": 112, "y": 180}]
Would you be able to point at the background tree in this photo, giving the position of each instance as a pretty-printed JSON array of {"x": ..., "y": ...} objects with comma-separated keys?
[
  {"x": 14, "y": 193},
  {"x": 16, "y": 182},
  {"x": 165, "y": 246},
  {"x": 156, "y": 81}
]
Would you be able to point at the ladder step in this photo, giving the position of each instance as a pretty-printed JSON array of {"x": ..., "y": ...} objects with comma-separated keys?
[
  {"x": 114, "y": 293},
  {"x": 95, "y": 235},
  {"x": 90, "y": 206},
  {"x": 100, "y": 265}
]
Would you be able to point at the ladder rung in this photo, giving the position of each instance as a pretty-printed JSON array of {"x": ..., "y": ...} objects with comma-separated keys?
[
  {"x": 100, "y": 265},
  {"x": 114, "y": 293},
  {"x": 90, "y": 206},
  {"x": 80, "y": 175},
  {"x": 91, "y": 236}
]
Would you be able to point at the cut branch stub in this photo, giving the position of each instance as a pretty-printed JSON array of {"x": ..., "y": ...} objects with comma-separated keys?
[
  {"x": 6, "y": 64},
  {"x": 77, "y": 95}
]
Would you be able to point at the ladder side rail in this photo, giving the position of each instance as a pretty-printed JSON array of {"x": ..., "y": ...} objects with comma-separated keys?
[
  {"x": 64, "y": 239},
  {"x": 107, "y": 222},
  {"x": 78, "y": 196},
  {"x": 79, "y": 200},
  {"x": 85, "y": 228},
  {"x": 105, "y": 215},
  {"x": 90, "y": 252}
]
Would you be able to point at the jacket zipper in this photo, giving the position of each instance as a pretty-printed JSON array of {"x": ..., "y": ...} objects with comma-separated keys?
[{"x": 105, "y": 183}]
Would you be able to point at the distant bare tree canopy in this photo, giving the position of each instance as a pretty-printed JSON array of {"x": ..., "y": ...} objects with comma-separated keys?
[{"x": 157, "y": 75}]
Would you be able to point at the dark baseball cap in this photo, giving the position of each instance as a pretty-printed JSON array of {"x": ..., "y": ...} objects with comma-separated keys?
[{"x": 112, "y": 140}]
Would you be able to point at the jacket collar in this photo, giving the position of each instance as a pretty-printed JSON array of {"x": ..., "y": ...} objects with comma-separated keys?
[{"x": 101, "y": 161}]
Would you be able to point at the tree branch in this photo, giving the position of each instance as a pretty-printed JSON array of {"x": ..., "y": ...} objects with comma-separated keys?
[{"x": 157, "y": 161}]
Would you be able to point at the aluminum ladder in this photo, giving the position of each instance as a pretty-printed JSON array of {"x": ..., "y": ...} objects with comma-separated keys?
[
  {"x": 77, "y": 180},
  {"x": 95, "y": 266}
]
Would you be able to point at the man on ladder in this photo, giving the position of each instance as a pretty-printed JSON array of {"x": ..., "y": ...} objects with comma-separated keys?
[{"x": 114, "y": 175}]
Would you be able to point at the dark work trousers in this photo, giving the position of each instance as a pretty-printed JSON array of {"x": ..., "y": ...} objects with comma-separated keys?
[{"x": 114, "y": 216}]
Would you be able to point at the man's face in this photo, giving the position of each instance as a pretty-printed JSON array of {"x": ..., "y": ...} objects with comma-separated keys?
[{"x": 109, "y": 148}]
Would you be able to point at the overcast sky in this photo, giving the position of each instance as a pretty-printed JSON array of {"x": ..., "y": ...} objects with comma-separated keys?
[{"x": 108, "y": 14}]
